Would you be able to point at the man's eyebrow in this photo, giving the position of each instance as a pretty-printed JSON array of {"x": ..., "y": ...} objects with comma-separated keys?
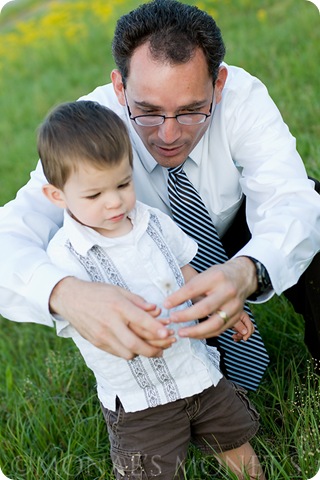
[{"x": 190, "y": 106}]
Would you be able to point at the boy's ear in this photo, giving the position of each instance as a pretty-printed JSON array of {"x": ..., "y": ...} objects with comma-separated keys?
[{"x": 54, "y": 194}]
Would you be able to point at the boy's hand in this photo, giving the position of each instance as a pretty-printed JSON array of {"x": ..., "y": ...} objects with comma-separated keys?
[{"x": 244, "y": 328}]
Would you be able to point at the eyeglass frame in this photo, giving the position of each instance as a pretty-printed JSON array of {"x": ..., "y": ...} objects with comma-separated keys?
[{"x": 164, "y": 117}]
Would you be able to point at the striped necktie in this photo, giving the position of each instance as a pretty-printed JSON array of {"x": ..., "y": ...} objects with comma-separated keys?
[{"x": 245, "y": 362}]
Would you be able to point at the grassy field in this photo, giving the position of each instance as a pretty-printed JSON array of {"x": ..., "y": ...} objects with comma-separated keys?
[{"x": 50, "y": 422}]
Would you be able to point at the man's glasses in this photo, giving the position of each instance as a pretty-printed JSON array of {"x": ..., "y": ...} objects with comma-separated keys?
[{"x": 193, "y": 118}]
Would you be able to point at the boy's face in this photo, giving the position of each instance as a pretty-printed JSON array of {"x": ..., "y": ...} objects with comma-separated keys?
[{"x": 101, "y": 198}]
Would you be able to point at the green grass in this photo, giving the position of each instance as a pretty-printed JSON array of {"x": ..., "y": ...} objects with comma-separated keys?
[{"x": 50, "y": 421}]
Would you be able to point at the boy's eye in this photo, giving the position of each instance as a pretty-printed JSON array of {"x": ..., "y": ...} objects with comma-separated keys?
[
  {"x": 124, "y": 185},
  {"x": 95, "y": 195}
]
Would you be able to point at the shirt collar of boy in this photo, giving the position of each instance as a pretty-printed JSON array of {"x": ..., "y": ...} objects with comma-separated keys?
[{"x": 83, "y": 238}]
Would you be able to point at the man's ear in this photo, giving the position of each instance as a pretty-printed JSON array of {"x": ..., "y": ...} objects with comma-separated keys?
[
  {"x": 118, "y": 87},
  {"x": 54, "y": 194},
  {"x": 220, "y": 83}
]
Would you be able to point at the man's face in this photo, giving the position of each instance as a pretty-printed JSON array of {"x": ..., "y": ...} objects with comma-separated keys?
[{"x": 158, "y": 88}]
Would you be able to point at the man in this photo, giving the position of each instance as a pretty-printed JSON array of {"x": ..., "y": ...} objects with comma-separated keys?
[{"x": 183, "y": 106}]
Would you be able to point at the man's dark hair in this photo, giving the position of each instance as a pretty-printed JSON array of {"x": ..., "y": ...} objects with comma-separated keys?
[
  {"x": 173, "y": 29},
  {"x": 78, "y": 132}
]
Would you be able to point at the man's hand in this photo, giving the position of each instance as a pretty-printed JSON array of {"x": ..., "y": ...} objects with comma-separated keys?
[
  {"x": 162, "y": 343},
  {"x": 224, "y": 288},
  {"x": 111, "y": 318}
]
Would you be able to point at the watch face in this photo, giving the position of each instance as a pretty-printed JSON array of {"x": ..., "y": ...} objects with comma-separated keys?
[
  {"x": 265, "y": 282},
  {"x": 263, "y": 279}
]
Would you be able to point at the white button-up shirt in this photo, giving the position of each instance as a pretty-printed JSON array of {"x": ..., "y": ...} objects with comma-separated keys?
[
  {"x": 146, "y": 261},
  {"x": 247, "y": 149}
]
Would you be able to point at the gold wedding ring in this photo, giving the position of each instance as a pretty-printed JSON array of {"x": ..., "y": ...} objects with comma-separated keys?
[{"x": 223, "y": 315}]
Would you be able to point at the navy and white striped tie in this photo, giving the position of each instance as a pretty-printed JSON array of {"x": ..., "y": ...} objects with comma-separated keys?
[{"x": 245, "y": 362}]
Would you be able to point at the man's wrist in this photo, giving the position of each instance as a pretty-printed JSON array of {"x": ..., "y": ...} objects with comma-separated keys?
[
  {"x": 264, "y": 284},
  {"x": 245, "y": 271},
  {"x": 57, "y": 294}
]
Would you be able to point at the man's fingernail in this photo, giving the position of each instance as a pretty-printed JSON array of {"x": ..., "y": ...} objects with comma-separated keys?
[{"x": 163, "y": 333}]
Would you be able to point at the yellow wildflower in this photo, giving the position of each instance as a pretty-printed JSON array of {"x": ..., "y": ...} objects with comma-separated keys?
[{"x": 262, "y": 15}]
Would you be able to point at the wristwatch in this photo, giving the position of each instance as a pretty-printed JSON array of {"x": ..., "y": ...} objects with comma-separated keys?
[{"x": 264, "y": 282}]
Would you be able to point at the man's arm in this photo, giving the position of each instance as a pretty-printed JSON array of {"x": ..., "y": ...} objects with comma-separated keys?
[
  {"x": 27, "y": 276},
  {"x": 282, "y": 207},
  {"x": 29, "y": 282},
  {"x": 283, "y": 210}
]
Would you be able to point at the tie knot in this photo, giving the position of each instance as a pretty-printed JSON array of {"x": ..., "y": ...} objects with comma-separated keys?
[{"x": 175, "y": 170}]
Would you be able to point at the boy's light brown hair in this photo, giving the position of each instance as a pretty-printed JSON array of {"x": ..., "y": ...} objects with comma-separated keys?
[{"x": 78, "y": 132}]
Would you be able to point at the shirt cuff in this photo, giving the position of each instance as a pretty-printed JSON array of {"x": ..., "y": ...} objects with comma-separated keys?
[
  {"x": 282, "y": 275},
  {"x": 39, "y": 289}
]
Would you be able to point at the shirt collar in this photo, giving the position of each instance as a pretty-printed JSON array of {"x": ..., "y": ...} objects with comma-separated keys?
[
  {"x": 196, "y": 153},
  {"x": 83, "y": 238}
]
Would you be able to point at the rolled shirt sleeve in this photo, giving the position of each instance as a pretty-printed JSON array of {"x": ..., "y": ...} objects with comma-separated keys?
[
  {"x": 283, "y": 209},
  {"x": 27, "y": 275}
]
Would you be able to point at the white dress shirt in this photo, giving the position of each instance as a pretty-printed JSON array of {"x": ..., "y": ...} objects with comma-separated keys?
[
  {"x": 148, "y": 265},
  {"x": 247, "y": 149}
]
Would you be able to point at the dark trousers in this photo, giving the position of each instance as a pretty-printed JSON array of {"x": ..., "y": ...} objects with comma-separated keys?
[{"x": 304, "y": 296}]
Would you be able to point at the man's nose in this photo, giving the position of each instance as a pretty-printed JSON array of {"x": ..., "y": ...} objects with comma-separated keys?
[{"x": 170, "y": 131}]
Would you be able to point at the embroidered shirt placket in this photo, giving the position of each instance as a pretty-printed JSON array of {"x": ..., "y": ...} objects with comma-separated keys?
[{"x": 101, "y": 268}]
